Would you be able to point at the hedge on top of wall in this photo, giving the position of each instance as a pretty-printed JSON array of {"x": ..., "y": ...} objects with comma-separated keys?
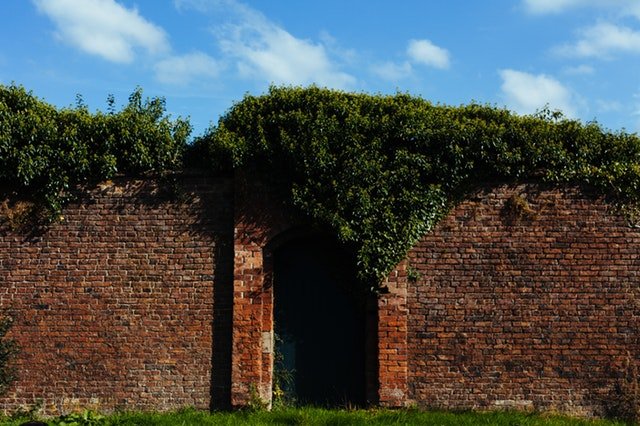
[
  {"x": 45, "y": 151},
  {"x": 378, "y": 171}
]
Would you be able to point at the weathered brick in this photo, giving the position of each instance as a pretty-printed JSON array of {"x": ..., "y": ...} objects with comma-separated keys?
[
  {"x": 156, "y": 304},
  {"x": 116, "y": 323},
  {"x": 546, "y": 309}
]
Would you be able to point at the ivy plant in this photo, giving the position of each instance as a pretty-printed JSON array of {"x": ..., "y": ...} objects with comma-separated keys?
[
  {"x": 377, "y": 171},
  {"x": 380, "y": 171},
  {"x": 46, "y": 153}
]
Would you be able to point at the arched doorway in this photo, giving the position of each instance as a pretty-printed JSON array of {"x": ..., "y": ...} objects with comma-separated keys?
[{"x": 319, "y": 324}]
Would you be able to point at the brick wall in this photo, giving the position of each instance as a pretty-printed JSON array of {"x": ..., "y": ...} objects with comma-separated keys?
[
  {"x": 523, "y": 297},
  {"x": 115, "y": 306}
]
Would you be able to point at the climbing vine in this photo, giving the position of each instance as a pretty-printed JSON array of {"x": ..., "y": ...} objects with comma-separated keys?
[{"x": 378, "y": 171}]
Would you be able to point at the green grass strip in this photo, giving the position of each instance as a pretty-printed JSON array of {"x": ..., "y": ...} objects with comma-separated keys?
[{"x": 319, "y": 416}]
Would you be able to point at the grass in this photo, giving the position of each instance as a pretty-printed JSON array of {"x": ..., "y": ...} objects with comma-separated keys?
[{"x": 319, "y": 416}]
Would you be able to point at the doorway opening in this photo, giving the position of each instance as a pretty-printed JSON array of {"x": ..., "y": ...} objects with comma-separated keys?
[{"x": 319, "y": 324}]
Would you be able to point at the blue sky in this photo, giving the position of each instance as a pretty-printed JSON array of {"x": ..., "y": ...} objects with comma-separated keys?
[{"x": 580, "y": 56}]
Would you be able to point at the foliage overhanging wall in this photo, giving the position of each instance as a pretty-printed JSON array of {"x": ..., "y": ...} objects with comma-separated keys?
[
  {"x": 377, "y": 172},
  {"x": 380, "y": 171}
]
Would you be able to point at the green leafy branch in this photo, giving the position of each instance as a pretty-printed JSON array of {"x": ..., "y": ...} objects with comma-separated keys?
[
  {"x": 46, "y": 153},
  {"x": 380, "y": 171}
]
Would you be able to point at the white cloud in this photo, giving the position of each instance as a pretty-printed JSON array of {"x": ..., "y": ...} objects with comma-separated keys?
[
  {"x": 426, "y": 53},
  {"x": 526, "y": 93},
  {"x": 602, "y": 40},
  {"x": 333, "y": 47},
  {"x": 392, "y": 71},
  {"x": 264, "y": 51},
  {"x": 634, "y": 9},
  {"x": 579, "y": 70},
  {"x": 199, "y": 5},
  {"x": 104, "y": 28},
  {"x": 267, "y": 52},
  {"x": 204, "y": 5},
  {"x": 618, "y": 7},
  {"x": 608, "y": 106},
  {"x": 625, "y": 7},
  {"x": 557, "y": 6},
  {"x": 418, "y": 52},
  {"x": 182, "y": 70}
]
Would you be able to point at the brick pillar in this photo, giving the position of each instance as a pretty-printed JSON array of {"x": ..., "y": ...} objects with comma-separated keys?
[
  {"x": 252, "y": 348},
  {"x": 392, "y": 340}
]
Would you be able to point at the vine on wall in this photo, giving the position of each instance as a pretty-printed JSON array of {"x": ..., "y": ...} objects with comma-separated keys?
[{"x": 378, "y": 171}]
